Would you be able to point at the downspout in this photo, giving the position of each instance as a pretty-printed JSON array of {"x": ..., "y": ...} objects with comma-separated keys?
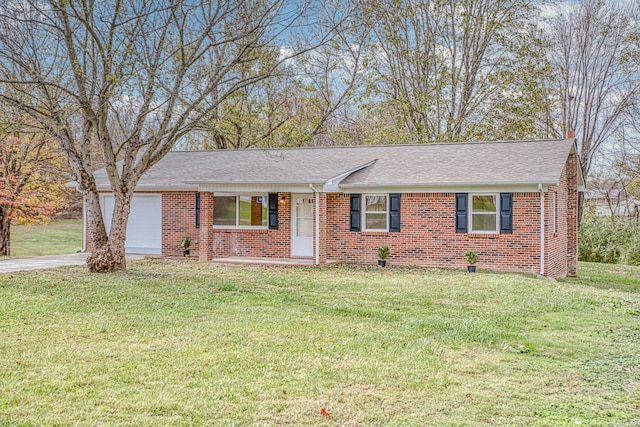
[
  {"x": 541, "y": 229},
  {"x": 317, "y": 221}
]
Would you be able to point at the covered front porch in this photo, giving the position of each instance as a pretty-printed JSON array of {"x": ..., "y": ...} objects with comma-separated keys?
[{"x": 291, "y": 230}]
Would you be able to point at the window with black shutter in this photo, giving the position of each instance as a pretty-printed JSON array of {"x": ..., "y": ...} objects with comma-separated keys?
[
  {"x": 273, "y": 211},
  {"x": 461, "y": 212},
  {"x": 394, "y": 212},
  {"x": 198, "y": 210},
  {"x": 484, "y": 213},
  {"x": 354, "y": 212},
  {"x": 506, "y": 213}
]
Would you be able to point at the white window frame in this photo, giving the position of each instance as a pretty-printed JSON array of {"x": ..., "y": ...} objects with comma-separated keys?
[
  {"x": 470, "y": 213},
  {"x": 364, "y": 213},
  {"x": 265, "y": 196}
]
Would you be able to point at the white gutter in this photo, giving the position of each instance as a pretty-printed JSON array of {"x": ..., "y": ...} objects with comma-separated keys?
[
  {"x": 540, "y": 188},
  {"x": 455, "y": 184},
  {"x": 317, "y": 221}
]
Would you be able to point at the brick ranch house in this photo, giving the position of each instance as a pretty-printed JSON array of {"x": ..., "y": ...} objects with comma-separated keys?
[{"x": 514, "y": 203}]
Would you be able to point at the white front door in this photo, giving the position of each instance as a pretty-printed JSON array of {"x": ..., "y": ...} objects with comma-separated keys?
[{"x": 302, "y": 225}]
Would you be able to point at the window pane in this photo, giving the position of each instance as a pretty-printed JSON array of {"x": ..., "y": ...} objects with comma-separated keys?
[
  {"x": 224, "y": 210},
  {"x": 484, "y": 203},
  {"x": 376, "y": 221},
  {"x": 304, "y": 227},
  {"x": 264, "y": 201},
  {"x": 376, "y": 203},
  {"x": 253, "y": 211},
  {"x": 245, "y": 210},
  {"x": 483, "y": 222},
  {"x": 304, "y": 208}
]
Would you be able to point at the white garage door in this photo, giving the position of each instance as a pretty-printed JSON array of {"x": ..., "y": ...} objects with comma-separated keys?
[{"x": 144, "y": 230}]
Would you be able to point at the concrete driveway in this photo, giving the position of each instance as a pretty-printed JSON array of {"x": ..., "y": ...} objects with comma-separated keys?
[
  {"x": 41, "y": 262},
  {"x": 49, "y": 261}
]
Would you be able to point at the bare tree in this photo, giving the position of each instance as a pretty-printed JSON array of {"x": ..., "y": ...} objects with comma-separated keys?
[
  {"x": 591, "y": 42},
  {"x": 333, "y": 77},
  {"x": 441, "y": 64},
  {"x": 252, "y": 114},
  {"x": 301, "y": 103},
  {"x": 135, "y": 77}
]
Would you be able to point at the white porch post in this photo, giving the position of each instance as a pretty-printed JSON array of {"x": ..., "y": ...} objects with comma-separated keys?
[
  {"x": 542, "y": 252},
  {"x": 317, "y": 227}
]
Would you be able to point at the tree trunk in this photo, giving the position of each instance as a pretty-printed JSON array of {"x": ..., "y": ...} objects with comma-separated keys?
[
  {"x": 5, "y": 232},
  {"x": 107, "y": 258},
  {"x": 94, "y": 219},
  {"x": 110, "y": 255}
]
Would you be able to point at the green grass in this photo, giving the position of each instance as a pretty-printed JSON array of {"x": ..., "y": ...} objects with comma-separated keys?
[
  {"x": 184, "y": 343},
  {"x": 56, "y": 237}
]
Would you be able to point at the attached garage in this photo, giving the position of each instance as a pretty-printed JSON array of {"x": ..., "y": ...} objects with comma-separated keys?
[{"x": 144, "y": 230}]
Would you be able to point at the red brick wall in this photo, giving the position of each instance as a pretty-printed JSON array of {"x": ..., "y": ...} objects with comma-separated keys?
[
  {"x": 572, "y": 171},
  {"x": 205, "y": 243},
  {"x": 178, "y": 221},
  {"x": 428, "y": 235},
  {"x": 562, "y": 245},
  {"x": 556, "y": 240}
]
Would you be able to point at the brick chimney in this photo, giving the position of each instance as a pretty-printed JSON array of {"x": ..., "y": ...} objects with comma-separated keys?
[{"x": 570, "y": 134}]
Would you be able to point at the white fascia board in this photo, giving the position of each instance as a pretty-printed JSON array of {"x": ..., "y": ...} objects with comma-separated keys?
[
  {"x": 156, "y": 188},
  {"x": 454, "y": 188},
  {"x": 581, "y": 177},
  {"x": 235, "y": 188}
]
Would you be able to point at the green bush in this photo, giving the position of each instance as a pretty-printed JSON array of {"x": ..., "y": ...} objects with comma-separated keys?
[
  {"x": 609, "y": 240},
  {"x": 631, "y": 253}
]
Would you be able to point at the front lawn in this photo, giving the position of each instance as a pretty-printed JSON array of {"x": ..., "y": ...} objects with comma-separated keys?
[
  {"x": 53, "y": 238},
  {"x": 184, "y": 343}
]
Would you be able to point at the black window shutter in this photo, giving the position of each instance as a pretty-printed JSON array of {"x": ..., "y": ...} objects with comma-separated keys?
[
  {"x": 354, "y": 211},
  {"x": 273, "y": 211},
  {"x": 198, "y": 210},
  {"x": 394, "y": 212},
  {"x": 461, "y": 212},
  {"x": 506, "y": 213}
]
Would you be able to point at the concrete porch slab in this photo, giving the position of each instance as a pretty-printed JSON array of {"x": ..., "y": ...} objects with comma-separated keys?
[{"x": 263, "y": 261}]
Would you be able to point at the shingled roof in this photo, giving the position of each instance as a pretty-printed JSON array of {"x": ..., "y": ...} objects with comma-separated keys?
[{"x": 429, "y": 166}]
